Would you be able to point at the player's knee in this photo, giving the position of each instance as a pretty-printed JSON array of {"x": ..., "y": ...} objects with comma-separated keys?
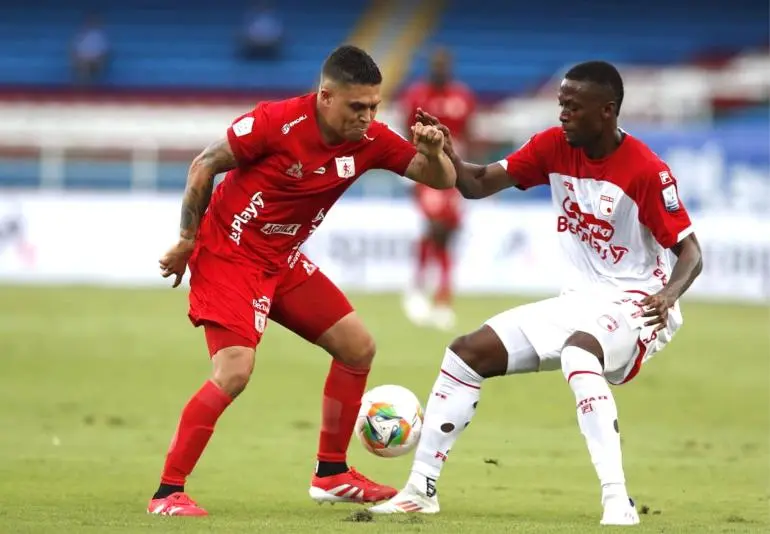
[
  {"x": 473, "y": 350},
  {"x": 232, "y": 369},
  {"x": 587, "y": 342},
  {"x": 361, "y": 353},
  {"x": 581, "y": 353}
]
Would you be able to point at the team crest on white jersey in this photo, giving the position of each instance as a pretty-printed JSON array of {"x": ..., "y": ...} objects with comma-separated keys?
[
  {"x": 606, "y": 205},
  {"x": 346, "y": 166}
]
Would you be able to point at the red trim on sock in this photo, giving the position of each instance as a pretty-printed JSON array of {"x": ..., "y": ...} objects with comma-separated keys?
[
  {"x": 460, "y": 381},
  {"x": 573, "y": 373}
]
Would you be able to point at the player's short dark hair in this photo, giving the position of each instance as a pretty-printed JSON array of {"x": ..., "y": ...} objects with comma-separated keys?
[
  {"x": 349, "y": 64},
  {"x": 601, "y": 73}
]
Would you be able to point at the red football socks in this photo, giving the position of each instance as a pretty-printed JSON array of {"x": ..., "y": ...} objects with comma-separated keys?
[
  {"x": 341, "y": 401},
  {"x": 424, "y": 250},
  {"x": 444, "y": 292},
  {"x": 193, "y": 433}
]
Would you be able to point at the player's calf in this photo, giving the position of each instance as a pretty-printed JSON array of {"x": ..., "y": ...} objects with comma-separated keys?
[{"x": 452, "y": 404}]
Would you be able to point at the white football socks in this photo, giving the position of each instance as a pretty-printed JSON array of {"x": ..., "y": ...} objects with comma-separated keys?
[
  {"x": 597, "y": 417},
  {"x": 450, "y": 408}
]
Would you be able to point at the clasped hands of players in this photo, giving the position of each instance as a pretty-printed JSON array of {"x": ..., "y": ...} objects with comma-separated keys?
[
  {"x": 425, "y": 119},
  {"x": 429, "y": 139},
  {"x": 175, "y": 260}
]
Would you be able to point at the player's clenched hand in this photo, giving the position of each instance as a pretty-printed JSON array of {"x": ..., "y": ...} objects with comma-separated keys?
[
  {"x": 426, "y": 118},
  {"x": 429, "y": 140},
  {"x": 175, "y": 260},
  {"x": 656, "y": 308}
]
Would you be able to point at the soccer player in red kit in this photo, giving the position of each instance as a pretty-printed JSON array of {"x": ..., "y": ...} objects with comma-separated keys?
[
  {"x": 288, "y": 162},
  {"x": 452, "y": 103},
  {"x": 630, "y": 254}
]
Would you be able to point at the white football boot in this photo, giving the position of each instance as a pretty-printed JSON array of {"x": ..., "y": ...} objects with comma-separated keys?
[
  {"x": 411, "y": 500},
  {"x": 618, "y": 511}
]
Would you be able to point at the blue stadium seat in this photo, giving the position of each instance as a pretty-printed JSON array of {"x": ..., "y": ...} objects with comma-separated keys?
[
  {"x": 525, "y": 43},
  {"x": 194, "y": 45}
]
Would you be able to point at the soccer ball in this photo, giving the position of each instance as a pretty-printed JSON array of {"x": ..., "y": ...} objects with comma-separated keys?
[{"x": 390, "y": 421}]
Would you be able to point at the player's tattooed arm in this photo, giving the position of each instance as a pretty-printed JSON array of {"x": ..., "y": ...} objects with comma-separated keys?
[
  {"x": 480, "y": 181},
  {"x": 214, "y": 159}
]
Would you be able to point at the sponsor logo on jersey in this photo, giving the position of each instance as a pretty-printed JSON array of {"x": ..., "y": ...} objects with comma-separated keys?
[
  {"x": 285, "y": 229},
  {"x": 251, "y": 211},
  {"x": 591, "y": 230},
  {"x": 286, "y": 128},
  {"x": 295, "y": 252}
]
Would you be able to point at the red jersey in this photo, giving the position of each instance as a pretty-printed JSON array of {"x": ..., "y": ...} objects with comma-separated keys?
[
  {"x": 286, "y": 181},
  {"x": 615, "y": 216},
  {"x": 453, "y": 105}
]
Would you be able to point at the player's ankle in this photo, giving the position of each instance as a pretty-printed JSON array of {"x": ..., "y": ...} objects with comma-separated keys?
[
  {"x": 615, "y": 490},
  {"x": 328, "y": 469},
  {"x": 164, "y": 490},
  {"x": 423, "y": 483}
]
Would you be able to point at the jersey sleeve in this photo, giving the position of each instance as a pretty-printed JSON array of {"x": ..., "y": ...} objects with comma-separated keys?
[
  {"x": 528, "y": 167},
  {"x": 248, "y": 134},
  {"x": 660, "y": 208},
  {"x": 394, "y": 152}
]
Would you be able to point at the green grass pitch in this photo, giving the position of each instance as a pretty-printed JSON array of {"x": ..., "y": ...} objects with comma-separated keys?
[{"x": 92, "y": 381}]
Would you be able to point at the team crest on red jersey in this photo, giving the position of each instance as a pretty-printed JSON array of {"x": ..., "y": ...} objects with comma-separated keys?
[{"x": 346, "y": 166}]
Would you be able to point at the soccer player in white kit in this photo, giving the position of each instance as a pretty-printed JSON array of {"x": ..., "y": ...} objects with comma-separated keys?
[{"x": 618, "y": 215}]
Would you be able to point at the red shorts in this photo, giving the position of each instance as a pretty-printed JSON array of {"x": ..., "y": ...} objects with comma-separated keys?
[
  {"x": 439, "y": 205},
  {"x": 234, "y": 301}
]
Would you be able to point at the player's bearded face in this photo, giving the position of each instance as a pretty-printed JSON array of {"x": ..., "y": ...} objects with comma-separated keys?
[{"x": 351, "y": 109}]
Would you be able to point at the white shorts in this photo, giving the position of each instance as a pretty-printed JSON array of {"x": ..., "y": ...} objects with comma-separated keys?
[{"x": 614, "y": 320}]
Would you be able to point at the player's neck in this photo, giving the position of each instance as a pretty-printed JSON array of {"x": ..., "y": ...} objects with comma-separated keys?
[{"x": 605, "y": 145}]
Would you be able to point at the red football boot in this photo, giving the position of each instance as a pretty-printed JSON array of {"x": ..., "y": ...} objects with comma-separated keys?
[{"x": 350, "y": 486}]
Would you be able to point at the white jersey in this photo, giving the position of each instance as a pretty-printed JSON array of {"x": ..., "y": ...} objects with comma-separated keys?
[{"x": 616, "y": 217}]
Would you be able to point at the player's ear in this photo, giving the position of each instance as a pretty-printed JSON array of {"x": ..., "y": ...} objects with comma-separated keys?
[
  {"x": 325, "y": 96},
  {"x": 608, "y": 111}
]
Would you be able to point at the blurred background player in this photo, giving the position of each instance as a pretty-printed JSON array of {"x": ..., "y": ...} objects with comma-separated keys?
[{"x": 453, "y": 103}]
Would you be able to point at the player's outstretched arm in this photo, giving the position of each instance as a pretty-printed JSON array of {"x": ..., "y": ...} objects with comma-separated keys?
[
  {"x": 431, "y": 165},
  {"x": 480, "y": 181},
  {"x": 473, "y": 181},
  {"x": 689, "y": 265}
]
